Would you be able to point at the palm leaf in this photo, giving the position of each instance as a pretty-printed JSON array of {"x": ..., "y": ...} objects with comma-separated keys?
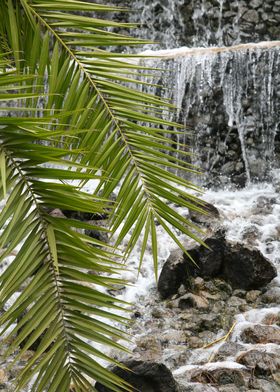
[{"x": 80, "y": 107}]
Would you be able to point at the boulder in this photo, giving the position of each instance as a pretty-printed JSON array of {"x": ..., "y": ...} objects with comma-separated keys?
[
  {"x": 221, "y": 376},
  {"x": 209, "y": 259},
  {"x": 261, "y": 334},
  {"x": 145, "y": 377},
  {"x": 246, "y": 268},
  {"x": 242, "y": 267},
  {"x": 174, "y": 273},
  {"x": 261, "y": 362}
]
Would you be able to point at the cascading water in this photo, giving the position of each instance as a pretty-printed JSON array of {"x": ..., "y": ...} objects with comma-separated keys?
[{"x": 231, "y": 100}]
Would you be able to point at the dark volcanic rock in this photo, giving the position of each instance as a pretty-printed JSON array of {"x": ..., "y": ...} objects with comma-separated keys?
[
  {"x": 174, "y": 273},
  {"x": 145, "y": 377},
  {"x": 242, "y": 267},
  {"x": 209, "y": 260},
  {"x": 247, "y": 268},
  {"x": 83, "y": 216},
  {"x": 210, "y": 213}
]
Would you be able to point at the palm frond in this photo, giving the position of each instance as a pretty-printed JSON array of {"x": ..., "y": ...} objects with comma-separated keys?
[
  {"x": 78, "y": 106},
  {"x": 48, "y": 270}
]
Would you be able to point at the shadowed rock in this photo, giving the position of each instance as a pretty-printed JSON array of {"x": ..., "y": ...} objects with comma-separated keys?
[
  {"x": 145, "y": 377},
  {"x": 242, "y": 267}
]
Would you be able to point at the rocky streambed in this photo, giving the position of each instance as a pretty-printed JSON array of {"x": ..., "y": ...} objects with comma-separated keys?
[{"x": 216, "y": 328}]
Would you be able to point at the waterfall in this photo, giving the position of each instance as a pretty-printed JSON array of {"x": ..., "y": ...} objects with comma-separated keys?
[
  {"x": 230, "y": 99},
  {"x": 221, "y": 69}
]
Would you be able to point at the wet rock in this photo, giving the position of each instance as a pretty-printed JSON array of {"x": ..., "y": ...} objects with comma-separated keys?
[
  {"x": 272, "y": 295},
  {"x": 236, "y": 302},
  {"x": 158, "y": 313},
  {"x": 223, "y": 286},
  {"x": 194, "y": 342},
  {"x": 253, "y": 295},
  {"x": 256, "y": 3},
  {"x": 262, "y": 385},
  {"x": 196, "y": 387},
  {"x": 211, "y": 214},
  {"x": 192, "y": 301},
  {"x": 239, "y": 293},
  {"x": 247, "y": 268},
  {"x": 198, "y": 283},
  {"x": 221, "y": 376},
  {"x": 242, "y": 267},
  {"x": 251, "y": 234},
  {"x": 209, "y": 322},
  {"x": 149, "y": 348},
  {"x": 232, "y": 388},
  {"x": 251, "y": 16},
  {"x": 263, "y": 205},
  {"x": 261, "y": 334},
  {"x": 228, "y": 349},
  {"x": 209, "y": 260},
  {"x": 145, "y": 377},
  {"x": 261, "y": 362},
  {"x": 172, "y": 336},
  {"x": 174, "y": 273},
  {"x": 272, "y": 318}
]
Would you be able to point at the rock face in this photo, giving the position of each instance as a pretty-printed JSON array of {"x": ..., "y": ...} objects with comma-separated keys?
[
  {"x": 228, "y": 99},
  {"x": 145, "y": 377},
  {"x": 208, "y": 22},
  {"x": 240, "y": 266}
]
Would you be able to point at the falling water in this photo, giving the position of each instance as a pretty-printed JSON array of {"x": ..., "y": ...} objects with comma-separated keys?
[{"x": 230, "y": 98}]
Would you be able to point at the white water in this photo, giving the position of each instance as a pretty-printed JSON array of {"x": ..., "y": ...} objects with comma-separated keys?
[{"x": 242, "y": 76}]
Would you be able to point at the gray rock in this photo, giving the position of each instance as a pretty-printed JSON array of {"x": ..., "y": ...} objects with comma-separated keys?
[
  {"x": 256, "y": 3},
  {"x": 221, "y": 376},
  {"x": 192, "y": 301},
  {"x": 253, "y": 295},
  {"x": 262, "y": 385},
  {"x": 261, "y": 362},
  {"x": 272, "y": 295},
  {"x": 228, "y": 349},
  {"x": 251, "y": 16},
  {"x": 261, "y": 334},
  {"x": 211, "y": 214},
  {"x": 196, "y": 387}
]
